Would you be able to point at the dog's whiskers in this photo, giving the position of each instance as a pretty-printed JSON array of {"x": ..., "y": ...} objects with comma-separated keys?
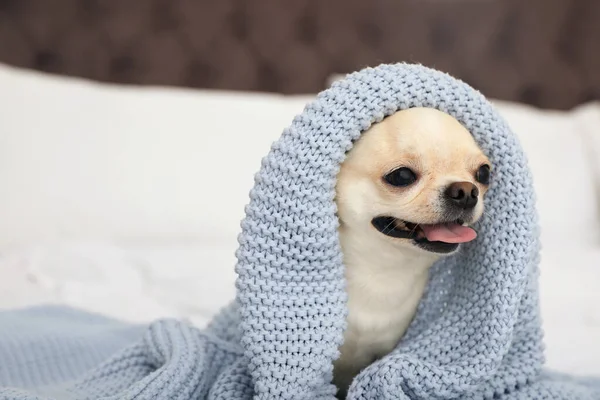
[
  {"x": 389, "y": 227},
  {"x": 413, "y": 230}
]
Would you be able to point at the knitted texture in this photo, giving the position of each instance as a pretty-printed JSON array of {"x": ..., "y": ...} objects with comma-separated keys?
[{"x": 476, "y": 335}]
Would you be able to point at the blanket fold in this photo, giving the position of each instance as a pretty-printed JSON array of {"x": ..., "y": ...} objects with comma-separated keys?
[{"x": 477, "y": 333}]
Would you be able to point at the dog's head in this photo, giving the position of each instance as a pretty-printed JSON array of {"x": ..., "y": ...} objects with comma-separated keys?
[{"x": 415, "y": 179}]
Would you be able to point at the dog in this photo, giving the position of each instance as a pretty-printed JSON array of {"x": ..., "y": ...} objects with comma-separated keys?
[{"x": 406, "y": 194}]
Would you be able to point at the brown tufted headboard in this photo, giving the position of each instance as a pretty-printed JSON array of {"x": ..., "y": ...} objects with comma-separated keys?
[{"x": 541, "y": 52}]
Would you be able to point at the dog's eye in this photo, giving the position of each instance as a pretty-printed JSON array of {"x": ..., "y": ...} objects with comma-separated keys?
[
  {"x": 401, "y": 177},
  {"x": 483, "y": 174}
]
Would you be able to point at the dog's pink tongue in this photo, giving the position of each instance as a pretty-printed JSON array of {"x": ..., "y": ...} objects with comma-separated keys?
[{"x": 449, "y": 233}]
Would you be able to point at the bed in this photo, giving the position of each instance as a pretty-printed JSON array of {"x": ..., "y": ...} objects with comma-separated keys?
[{"x": 130, "y": 133}]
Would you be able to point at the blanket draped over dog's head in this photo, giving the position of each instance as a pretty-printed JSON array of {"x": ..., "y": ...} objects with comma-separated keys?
[
  {"x": 477, "y": 331},
  {"x": 476, "y": 334}
]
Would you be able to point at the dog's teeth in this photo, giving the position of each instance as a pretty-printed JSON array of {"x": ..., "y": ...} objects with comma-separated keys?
[{"x": 399, "y": 224}]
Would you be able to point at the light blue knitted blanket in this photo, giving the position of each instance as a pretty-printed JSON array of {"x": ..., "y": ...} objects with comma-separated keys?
[{"x": 476, "y": 335}]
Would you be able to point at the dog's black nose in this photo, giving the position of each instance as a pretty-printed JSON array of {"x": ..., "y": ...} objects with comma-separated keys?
[{"x": 462, "y": 194}]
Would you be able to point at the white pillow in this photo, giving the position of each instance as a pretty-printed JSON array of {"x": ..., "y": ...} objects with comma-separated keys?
[
  {"x": 562, "y": 170},
  {"x": 84, "y": 160},
  {"x": 90, "y": 161},
  {"x": 588, "y": 121}
]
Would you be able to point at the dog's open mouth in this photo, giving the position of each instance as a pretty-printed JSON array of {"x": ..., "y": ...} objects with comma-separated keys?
[{"x": 439, "y": 238}]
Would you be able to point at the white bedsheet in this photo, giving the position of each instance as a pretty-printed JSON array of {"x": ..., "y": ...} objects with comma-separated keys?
[{"x": 134, "y": 282}]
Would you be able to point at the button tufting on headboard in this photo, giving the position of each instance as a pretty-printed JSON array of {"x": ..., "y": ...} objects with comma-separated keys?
[{"x": 541, "y": 52}]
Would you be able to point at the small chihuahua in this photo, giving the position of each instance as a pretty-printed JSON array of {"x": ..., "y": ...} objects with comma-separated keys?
[{"x": 406, "y": 195}]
